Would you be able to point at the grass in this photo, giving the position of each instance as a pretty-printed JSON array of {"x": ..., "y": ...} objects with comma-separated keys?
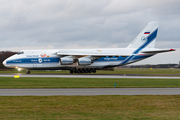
[
  {"x": 8, "y": 82},
  {"x": 116, "y": 71},
  {"x": 90, "y": 108},
  {"x": 144, "y": 107},
  {"x": 148, "y": 71}
]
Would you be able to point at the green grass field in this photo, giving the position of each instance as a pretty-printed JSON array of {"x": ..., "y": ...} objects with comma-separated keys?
[
  {"x": 9, "y": 82},
  {"x": 90, "y": 108},
  {"x": 116, "y": 71},
  {"x": 142, "y": 107}
]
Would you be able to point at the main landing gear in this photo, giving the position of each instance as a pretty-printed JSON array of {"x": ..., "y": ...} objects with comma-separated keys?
[
  {"x": 28, "y": 72},
  {"x": 83, "y": 70}
]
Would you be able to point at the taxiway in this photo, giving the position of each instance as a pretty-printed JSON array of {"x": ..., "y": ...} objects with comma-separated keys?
[
  {"x": 90, "y": 91},
  {"x": 87, "y": 76}
]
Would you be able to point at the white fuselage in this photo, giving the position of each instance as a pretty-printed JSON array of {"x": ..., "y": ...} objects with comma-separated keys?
[{"x": 48, "y": 59}]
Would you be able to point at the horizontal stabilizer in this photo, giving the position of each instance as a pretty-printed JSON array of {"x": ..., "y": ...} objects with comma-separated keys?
[{"x": 158, "y": 51}]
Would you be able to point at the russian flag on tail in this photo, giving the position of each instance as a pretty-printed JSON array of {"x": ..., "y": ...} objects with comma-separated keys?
[{"x": 147, "y": 32}]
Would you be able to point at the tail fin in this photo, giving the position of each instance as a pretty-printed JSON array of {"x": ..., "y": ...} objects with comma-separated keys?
[{"x": 147, "y": 37}]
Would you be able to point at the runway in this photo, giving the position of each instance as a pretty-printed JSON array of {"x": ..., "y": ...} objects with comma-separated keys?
[
  {"x": 87, "y": 76},
  {"x": 90, "y": 91}
]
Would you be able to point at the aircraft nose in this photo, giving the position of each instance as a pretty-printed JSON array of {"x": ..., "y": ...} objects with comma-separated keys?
[{"x": 4, "y": 62}]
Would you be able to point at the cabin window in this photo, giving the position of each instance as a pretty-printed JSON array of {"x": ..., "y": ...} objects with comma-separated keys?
[{"x": 20, "y": 53}]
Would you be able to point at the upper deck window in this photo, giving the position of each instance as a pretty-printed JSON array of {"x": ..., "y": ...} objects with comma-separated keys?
[{"x": 20, "y": 53}]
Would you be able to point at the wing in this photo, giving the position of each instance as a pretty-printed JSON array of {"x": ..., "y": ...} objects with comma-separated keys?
[
  {"x": 83, "y": 57},
  {"x": 77, "y": 54}
]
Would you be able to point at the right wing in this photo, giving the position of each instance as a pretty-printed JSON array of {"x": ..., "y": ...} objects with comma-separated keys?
[{"x": 92, "y": 54}]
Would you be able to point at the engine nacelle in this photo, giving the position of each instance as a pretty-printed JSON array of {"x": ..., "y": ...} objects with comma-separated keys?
[
  {"x": 84, "y": 61},
  {"x": 66, "y": 60}
]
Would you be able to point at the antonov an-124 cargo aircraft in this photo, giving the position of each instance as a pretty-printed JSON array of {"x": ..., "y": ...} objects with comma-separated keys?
[{"x": 88, "y": 60}]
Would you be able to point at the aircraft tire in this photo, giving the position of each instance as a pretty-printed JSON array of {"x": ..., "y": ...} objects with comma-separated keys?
[
  {"x": 28, "y": 72},
  {"x": 90, "y": 70},
  {"x": 94, "y": 71},
  {"x": 86, "y": 70},
  {"x": 71, "y": 71},
  {"x": 78, "y": 71},
  {"x": 75, "y": 71}
]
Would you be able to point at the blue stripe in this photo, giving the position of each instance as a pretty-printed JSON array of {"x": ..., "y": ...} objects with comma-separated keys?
[
  {"x": 128, "y": 59},
  {"x": 32, "y": 60},
  {"x": 139, "y": 57},
  {"x": 124, "y": 60},
  {"x": 150, "y": 38},
  {"x": 105, "y": 59},
  {"x": 146, "y": 32}
]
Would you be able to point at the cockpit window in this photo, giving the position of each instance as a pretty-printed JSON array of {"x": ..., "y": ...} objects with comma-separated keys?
[{"x": 20, "y": 53}]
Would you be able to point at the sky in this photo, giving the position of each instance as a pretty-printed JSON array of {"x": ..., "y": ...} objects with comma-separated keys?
[{"x": 67, "y": 24}]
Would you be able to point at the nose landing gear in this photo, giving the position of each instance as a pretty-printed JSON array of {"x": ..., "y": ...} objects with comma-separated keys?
[{"x": 28, "y": 72}]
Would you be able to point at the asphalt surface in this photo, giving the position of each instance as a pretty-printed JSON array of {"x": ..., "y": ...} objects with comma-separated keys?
[
  {"x": 90, "y": 91},
  {"x": 86, "y": 76}
]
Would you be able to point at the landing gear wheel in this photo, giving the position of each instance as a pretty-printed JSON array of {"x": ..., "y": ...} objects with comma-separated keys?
[
  {"x": 91, "y": 70},
  {"x": 78, "y": 71},
  {"x": 94, "y": 71},
  {"x": 75, "y": 71},
  {"x": 28, "y": 72},
  {"x": 71, "y": 71}
]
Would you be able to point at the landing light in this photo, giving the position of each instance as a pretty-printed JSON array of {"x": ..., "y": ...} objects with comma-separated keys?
[{"x": 19, "y": 69}]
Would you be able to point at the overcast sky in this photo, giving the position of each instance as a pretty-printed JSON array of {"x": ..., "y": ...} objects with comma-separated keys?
[{"x": 42, "y": 24}]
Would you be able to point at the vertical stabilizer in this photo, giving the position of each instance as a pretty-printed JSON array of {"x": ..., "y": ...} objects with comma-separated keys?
[{"x": 147, "y": 37}]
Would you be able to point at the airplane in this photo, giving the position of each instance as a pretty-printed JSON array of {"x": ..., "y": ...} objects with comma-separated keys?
[{"x": 88, "y": 60}]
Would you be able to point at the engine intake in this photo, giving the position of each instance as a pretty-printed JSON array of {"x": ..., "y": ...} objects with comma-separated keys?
[
  {"x": 84, "y": 61},
  {"x": 66, "y": 60}
]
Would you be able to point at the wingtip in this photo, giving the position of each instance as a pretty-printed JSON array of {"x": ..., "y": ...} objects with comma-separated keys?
[{"x": 172, "y": 49}]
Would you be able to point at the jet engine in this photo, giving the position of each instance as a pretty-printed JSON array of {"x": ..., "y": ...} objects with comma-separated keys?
[
  {"x": 84, "y": 61},
  {"x": 68, "y": 60}
]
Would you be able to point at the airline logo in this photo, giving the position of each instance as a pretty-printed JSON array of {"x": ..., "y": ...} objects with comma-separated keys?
[
  {"x": 143, "y": 39},
  {"x": 43, "y": 55},
  {"x": 147, "y": 32},
  {"x": 40, "y": 60}
]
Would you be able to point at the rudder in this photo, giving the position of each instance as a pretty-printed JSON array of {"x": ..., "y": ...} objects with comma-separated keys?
[{"x": 147, "y": 37}]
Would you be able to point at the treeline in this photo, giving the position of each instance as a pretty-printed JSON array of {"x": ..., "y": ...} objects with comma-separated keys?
[{"x": 4, "y": 55}]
